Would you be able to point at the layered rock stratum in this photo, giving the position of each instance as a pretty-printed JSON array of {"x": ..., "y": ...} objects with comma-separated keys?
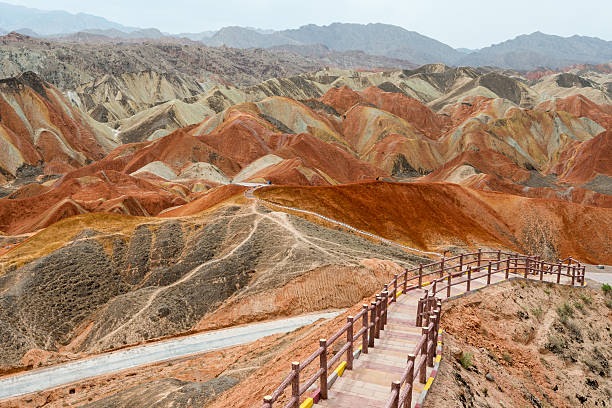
[{"x": 122, "y": 217}]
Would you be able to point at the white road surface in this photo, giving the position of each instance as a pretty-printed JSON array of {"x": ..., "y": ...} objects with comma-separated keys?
[
  {"x": 45, "y": 378},
  {"x": 600, "y": 277}
]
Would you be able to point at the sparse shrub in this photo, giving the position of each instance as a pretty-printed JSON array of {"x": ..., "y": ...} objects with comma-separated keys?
[
  {"x": 507, "y": 358},
  {"x": 565, "y": 311},
  {"x": 579, "y": 306},
  {"x": 547, "y": 291},
  {"x": 586, "y": 299},
  {"x": 524, "y": 336},
  {"x": 485, "y": 392},
  {"x": 537, "y": 312},
  {"x": 607, "y": 289},
  {"x": 556, "y": 344},
  {"x": 466, "y": 360},
  {"x": 609, "y": 303},
  {"x": 573, "y": 329}
]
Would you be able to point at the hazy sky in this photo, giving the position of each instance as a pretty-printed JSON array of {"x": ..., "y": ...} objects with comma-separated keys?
[{"x": 458, "y": 23}]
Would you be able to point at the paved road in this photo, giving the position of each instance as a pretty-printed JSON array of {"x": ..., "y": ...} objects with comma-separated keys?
[
  {"x": 41, "y": 379},
  {"x": 600, "y": 277}
]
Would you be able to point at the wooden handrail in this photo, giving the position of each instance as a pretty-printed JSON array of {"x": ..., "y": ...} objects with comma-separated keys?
[
  {"x": 312, "y": 357},
  {"x": 451, "y": 271}
]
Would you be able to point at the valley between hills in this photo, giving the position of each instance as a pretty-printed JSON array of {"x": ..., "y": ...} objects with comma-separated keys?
[{"x": 127, "y": 213}]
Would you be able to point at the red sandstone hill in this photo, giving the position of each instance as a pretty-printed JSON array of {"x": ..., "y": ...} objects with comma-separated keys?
[
  {"x": 581, "y": 106},
  {"x": 556, "y": 151},
  {"x": 103, "y": 191},
  {"x": 39, "y": 126},
  {"x": 439, "y": 216},
  {"x": 582, "y": 162}
]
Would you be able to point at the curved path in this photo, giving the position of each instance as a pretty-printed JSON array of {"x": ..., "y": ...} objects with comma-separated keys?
[
  {"x": 45, "y": 378},
  {"x": 249, "y": 194}
]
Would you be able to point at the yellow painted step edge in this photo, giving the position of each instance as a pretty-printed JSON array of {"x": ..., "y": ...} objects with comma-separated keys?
[
  {"x": 429, "y": 382},
  {"x": 308, "y": 403},
  {"x": 341, "y": 368}
]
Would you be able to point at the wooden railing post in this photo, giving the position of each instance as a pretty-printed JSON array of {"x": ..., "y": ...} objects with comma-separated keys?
[
  {"x": 479, "y": 258},
  {"x": 515, "y": 263},
  {"x": 349, "y": 340},
  {"x": 378, "y": 318},
  {"x": 430, "y": 337},
  {"x": 365, "y": 324},
  {"x": 425, "y": 314},
  {"x": 419, "y": 317},
  {"x": 439, "y": 307},
  {"x": 559, "y": 272},
  {"x": 442, "y": 266},
  {"x": 395, "y": 288},
  {"x": 385, "y": 306},
  {"x": 395, "y": 387},
  {"x": 323, "y": 366},
  {"x": 573, "y": 274},
  {"x": 410, "y": 380},
  {"x": 526, "y": 266},
  {"x": 498, "y": 258},
  {"x": 268, "y": 401},
  {"x": 420, "y": 275},
  {"x": 295, "y": 384},
  {"x": 448, "y": 288},
  {"x": 405, "y": 280},
  {"x": 489, "y": 273},
  {"x": 436, "y": 321},
  {"x": 569, "y": 260},
  {"x": 423, "y": 372},
  {"x": 542, "y": 266},
  {"x": 373, "y": 323},
  {"x": 507, "y": 268},
  {"x": 461, "y": 264},
  {"x": 469, "y": 278}
]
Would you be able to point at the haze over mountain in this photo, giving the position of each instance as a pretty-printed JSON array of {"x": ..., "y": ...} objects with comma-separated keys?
[
  {"x": 44, "y": 22},
  {"x": 539, "y": 49},
  {"x": 525, "y": 52}
]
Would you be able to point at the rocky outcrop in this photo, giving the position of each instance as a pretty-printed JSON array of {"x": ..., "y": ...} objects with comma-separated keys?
[{"x": 39, "y": 127}]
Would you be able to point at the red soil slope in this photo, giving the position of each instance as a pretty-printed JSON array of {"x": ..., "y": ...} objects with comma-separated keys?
[
  {"x": 436, "y": 216},
  {"x": 495, "y": 172},
  {"x": 413, "y": 111},
  {"x": 486, "y": 144},
  {"x": 409, "y": 109},
  {"x": 581, "y": 106},
  {"x": 583, "y": 161},
  {"x": 104, "y": 191},
  {"x": 206, "y": 201},
  {"x": 38, "y": 125}
]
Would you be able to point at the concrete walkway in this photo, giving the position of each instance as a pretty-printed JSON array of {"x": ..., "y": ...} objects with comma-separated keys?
[
  {"x": 368, "y": 385},
  {"x": 45, "y": 378}
]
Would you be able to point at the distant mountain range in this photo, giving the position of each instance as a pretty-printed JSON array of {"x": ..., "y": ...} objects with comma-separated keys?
[
  {"x": 44, "y": 22},
  {"x": 525, "y": 52}
]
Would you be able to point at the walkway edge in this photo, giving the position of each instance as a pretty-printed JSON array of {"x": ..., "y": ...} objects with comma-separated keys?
[{"x": 434, "y": 372}]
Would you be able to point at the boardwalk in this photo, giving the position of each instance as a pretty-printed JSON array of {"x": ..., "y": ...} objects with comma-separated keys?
[
  {"x": 393, "y": 345},
  {"x": 368, "y": 384}
]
